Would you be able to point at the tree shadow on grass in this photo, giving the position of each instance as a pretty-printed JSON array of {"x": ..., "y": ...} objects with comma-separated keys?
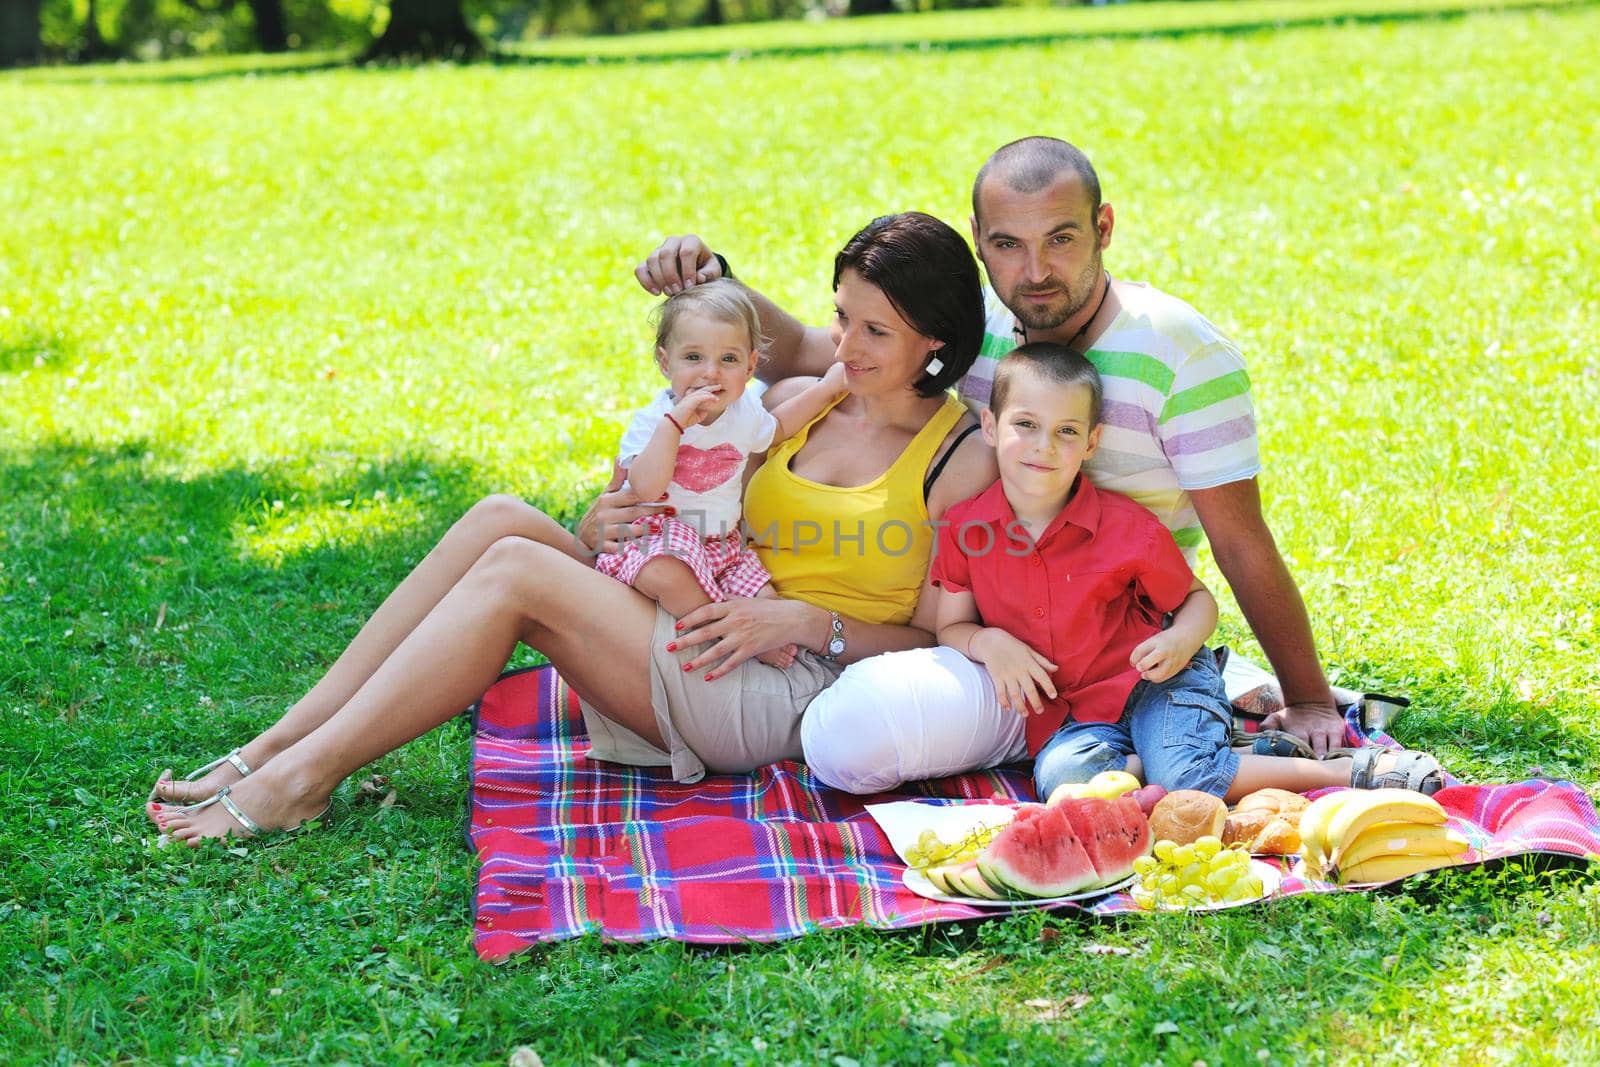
[
  {"x": 132, "y": 596},
  {"x": 30, "y": 348},
  {"x": 280, "y": 68}
]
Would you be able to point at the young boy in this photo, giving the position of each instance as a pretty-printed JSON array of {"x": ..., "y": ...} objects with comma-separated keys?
[{"x": 1061, "y": 590}]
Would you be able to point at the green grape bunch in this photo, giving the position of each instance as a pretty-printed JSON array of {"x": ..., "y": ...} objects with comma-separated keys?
[
  {"x": 1192, "y": 876},
  {"x": 931, "y": 851}
]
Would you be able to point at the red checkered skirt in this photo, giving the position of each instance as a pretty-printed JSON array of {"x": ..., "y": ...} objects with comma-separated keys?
[{"x": 724, "y": 566}]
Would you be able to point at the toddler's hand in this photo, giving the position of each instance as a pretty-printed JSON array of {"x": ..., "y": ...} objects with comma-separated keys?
[
  {"x": 1160, "y": 657},
  {"x": 1019, "y": 673},
  {"x": 835, "y": 378},
  {"x": 695, "y": 403}
]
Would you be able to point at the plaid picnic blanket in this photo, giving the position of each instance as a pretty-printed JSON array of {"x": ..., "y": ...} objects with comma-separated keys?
[{"x": 571, "y": 846}]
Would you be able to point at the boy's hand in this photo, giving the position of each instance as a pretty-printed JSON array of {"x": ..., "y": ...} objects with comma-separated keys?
[
  {"x": 692, "y": 408},
  {"x": 1160, "y": 657},
  {"x": 1018, "y": 671}
]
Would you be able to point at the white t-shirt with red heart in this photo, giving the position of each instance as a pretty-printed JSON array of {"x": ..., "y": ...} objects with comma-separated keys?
[{"x": 708, "y": 481}]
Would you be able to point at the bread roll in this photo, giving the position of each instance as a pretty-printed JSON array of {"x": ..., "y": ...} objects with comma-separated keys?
[
  {"x": 1186, "y": 815},
  {"x": 1243, "y": 827},
  {"x": 1278, "y": 838},
  {"x": 1275, "y": 800}
]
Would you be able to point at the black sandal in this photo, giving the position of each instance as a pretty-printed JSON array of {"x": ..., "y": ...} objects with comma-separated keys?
[{"x": 1270, "y": 743}]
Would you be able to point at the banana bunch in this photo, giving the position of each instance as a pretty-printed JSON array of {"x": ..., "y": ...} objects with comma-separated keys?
[{"x": 1376, "y": 835}]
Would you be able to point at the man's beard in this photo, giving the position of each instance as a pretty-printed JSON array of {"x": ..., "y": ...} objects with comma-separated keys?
[{"x": 1074, "y": 298}]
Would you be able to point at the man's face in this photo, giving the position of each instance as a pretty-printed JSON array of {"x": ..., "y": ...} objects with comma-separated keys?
[{"x": 1041, "y": 250}]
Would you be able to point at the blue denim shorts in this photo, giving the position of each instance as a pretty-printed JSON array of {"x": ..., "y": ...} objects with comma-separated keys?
[{"x": 1180, "y": 729}]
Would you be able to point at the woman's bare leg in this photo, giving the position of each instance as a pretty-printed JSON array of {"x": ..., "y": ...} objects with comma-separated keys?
[
  {"x": 484, "y": 523},
  {"x": 596, "y": 630}
]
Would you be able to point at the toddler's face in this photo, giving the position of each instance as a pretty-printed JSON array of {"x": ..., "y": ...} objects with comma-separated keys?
[
  {"x": 710, "y": 352},
  {"x": 1042, "y": 437}
]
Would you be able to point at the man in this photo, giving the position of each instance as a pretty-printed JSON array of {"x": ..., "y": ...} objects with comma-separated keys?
[{"x": 1181, "y": 431}]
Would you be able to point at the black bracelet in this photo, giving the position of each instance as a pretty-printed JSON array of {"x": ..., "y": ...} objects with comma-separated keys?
[{"x": 727, "y": 272}]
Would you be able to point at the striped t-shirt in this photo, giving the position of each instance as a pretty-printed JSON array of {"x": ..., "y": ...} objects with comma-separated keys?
[{"x": 1177, "y": 404}]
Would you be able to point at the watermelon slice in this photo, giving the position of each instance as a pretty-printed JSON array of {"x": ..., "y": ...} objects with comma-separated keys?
[
  {"x": 1114, "y": 833},
  {"x": 967, "y": 880},
  {"x": 1038, "y": 855}
]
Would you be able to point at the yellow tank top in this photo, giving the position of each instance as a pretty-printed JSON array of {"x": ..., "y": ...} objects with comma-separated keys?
[{"x": 860, "y": 550}]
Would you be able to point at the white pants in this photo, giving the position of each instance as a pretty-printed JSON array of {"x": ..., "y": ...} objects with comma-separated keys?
[{"x": 905, "y": 716}]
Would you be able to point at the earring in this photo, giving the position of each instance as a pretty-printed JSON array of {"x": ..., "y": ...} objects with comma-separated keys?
[{"x": 935, "y": 365}]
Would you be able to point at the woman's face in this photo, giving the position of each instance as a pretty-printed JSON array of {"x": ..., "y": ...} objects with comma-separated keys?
[{"x": 881, "y": 352}]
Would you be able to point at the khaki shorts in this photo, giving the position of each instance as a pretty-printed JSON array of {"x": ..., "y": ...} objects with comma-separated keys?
[{"x": 748, "y": 718}]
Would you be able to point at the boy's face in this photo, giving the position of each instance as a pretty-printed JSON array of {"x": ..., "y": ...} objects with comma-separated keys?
[
  {"x": 710, "y": 352},
  {"x": 1041, "y": 438}
]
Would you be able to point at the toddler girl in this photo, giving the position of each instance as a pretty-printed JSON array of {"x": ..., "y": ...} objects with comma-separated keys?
[{"x": 693, "y": 444}]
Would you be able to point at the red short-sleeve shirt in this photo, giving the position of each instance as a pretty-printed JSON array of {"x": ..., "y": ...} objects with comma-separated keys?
[{"x": 1085, "y": 595}]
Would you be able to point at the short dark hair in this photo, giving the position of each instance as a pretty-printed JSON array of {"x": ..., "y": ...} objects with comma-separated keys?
[
  {"x": 1053, "y": 363},
  {"x": 929, "y": 276},
  {"x": 1033, "y": 163}
]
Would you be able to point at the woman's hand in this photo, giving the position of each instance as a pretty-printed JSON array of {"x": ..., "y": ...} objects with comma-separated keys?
[
  {"x": 609, "y": 521},
  {"x": 739, "y": 629},
  {"x": 1018, "y": 671}
]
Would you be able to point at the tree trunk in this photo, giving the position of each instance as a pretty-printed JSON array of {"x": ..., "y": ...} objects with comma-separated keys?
[
  {"x": 425, "y": 29},
  {"x": 19, "y": 32},
  {"x": 871, "y": 7},
  {"x": 95, "y": 49},
  {"x": 272, "y": 32},
  {"x": 713, "y": 16}
]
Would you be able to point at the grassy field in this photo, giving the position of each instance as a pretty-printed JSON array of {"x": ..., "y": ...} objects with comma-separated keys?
[{"x": 262, "y": 338}]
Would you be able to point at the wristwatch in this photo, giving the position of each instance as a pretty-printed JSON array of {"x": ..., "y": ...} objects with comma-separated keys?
[{"x": 835, "y": 646}]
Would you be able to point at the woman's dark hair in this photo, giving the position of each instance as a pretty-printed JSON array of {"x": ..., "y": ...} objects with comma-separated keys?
[{"x": 930, "y": 277}]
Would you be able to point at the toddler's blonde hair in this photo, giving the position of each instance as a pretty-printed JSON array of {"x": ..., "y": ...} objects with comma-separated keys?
[{"x": 722, "y": 299}]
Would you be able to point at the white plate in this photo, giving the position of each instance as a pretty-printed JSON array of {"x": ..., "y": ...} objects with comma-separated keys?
[
  {"x": 918, "y": 883},
  {"x": 1271, "y": 880}
]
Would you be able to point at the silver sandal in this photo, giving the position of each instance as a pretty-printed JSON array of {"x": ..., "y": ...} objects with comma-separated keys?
[
  {"x": 1413, "y": 770},
  {"x": 249, "y": 825},
  {"x": 233, "y": 759}
]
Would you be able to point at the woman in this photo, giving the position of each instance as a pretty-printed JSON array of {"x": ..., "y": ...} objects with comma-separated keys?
[{"x": 843, "y": 516}]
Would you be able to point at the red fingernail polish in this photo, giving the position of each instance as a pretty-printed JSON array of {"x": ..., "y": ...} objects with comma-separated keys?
[
  {"x": 670, "y": 511},
  {"x": 663, "y": 496},
  {"x": 677, "y": 626},
  {"x": 672, "y": 646},
  {"x": 708, "y": 677},
  {"x": 687, "y": 668}
]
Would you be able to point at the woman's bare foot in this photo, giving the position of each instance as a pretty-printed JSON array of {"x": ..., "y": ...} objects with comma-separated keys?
[{"x": 268, "y": 802}]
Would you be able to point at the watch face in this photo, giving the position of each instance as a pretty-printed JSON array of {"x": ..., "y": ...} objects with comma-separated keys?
[{"x": 836, "y": 646}]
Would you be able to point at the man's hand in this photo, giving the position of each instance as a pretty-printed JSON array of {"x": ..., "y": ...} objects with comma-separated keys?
[
  {"x": 1019, "y": 673},
  {"x": 677, "y": 264},
  {"x": 1318, "y": 725},
  {"x": 608, "y": 522}
]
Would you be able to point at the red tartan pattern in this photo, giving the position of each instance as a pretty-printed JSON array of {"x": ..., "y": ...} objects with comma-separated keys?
[
  {"x": 569, "y": 846},
  {"x": 724, "y": 566}
]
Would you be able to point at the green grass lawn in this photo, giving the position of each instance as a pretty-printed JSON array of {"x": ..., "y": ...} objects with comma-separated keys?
[{"x": 262, "y": 338}]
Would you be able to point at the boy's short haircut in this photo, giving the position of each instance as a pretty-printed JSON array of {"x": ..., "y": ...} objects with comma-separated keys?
[
  {"x": 1052, "y": 362},
  {"x": 722, "y": 299}
]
